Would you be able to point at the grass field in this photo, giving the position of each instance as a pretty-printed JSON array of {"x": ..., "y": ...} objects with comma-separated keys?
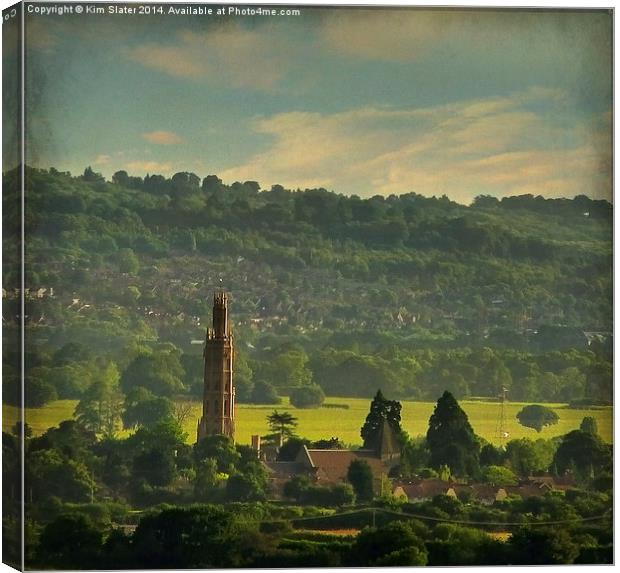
[{"x": 346, "y": 423}]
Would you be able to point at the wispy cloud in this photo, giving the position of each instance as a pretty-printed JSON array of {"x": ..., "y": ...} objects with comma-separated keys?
[
  {"x": 386, "y": 35},
  {"x": 102, "y": 159},
  {"x": 230, "y": 55},
  {"x": 162, "y": 138},
  {"x": 144, "y": 167},
  {"x": 498, "y": 146}
]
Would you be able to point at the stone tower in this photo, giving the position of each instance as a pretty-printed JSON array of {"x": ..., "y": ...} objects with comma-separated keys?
[{"x": 218, "y": 402}]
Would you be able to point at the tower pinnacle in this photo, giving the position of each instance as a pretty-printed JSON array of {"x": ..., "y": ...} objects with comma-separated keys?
[{"x": 218, "y": 404}]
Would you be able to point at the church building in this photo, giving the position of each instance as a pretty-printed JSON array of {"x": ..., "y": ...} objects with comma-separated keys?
[{"x": 218, "y": 402}]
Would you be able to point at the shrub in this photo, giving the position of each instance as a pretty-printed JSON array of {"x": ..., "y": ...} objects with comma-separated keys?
[
  {"x": 309, "y": 396},
  {"x": 264, "y": 393}
]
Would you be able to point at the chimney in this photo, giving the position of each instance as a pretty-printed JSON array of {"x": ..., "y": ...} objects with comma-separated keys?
[{"x": 256, "y": 444}]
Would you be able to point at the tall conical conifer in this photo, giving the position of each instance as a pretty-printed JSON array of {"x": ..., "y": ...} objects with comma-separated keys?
[{"x": 451, "y": 439}]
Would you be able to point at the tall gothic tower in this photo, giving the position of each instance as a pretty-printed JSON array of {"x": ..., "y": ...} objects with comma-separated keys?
[{"x": 218, "y": 403}]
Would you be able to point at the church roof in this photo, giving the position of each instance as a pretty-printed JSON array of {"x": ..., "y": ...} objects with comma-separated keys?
[{"x": 332, "y": 465}]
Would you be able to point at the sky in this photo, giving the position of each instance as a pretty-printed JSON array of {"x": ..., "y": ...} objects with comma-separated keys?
[{"x": 358, "y": 101}]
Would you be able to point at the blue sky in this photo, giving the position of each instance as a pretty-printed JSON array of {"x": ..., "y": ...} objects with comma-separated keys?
[{"x": 369, "y": 102}]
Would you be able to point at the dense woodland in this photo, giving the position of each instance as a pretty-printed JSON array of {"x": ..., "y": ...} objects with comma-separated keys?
[{"x": 408, "y": 293}]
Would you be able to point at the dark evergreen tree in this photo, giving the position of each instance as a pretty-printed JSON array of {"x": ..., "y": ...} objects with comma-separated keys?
[
  {"x": 380, "y": 409},
  {"x": 360, "y": 477},
  {"x": 451, "y": 439},
  {"x": 589, "y": 425},
  {"x": 543, "y": 546},
  {"x": 582, "y": 453},
  {"x": 70, "y": 542}
]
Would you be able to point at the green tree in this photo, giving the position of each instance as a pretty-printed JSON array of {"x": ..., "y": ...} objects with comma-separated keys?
[
  {"x": 207, "y": 479},
  {"x": 527, "y": 457},
  {"x": 288, "y": 369},
  {"x": 70, "y": 542},
  {"x": 127, "y": 261},
  {"x": 244, "y": 384},
  {"x": 221, "y": 449},
  {"x": 51, "y": 474},
  {"x": 543, "y": 546},
  {"x": 455, "y": 545},
  {"x": 143, "y": 408},
  {"x": 37, "y": 391},
  {"x": 537, "y": 417},
  {"x": 308, "y": 396},
  {"x": 70, "y": 380},
  {"x": 381, "y": 410},
  {"x": 451, "y": 439},
  {"x": 498, "y": 476},
  {"x": 282, "y": 423},
  {"x": 100, "y": 408},
  {"x": 71, "y": 439},
  {"x": 160, "y": 372},
  {"x": 393, "y": 544},
  {"x": 71, "y": 353},
  {"x": 156, "y": 466},
  {"x": 244, "y": 487},
  {"x": 589, "y": 425},
  {"x": 189, "y": 537},
  {"x": 264, "y": 393},
  {"x": 360, "y": 477},
  {"x": 167, "y": 434},
  {"x": 582, "y": 453},
  {"x": 296, "y": 486}
]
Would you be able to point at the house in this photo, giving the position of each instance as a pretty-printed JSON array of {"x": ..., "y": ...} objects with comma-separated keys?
[
  {"x": 486, "y": 494},
  {"x": 424, "y": 490},
  {"x": 330, "y": 466},
  {"x": 278, "y": 473}
]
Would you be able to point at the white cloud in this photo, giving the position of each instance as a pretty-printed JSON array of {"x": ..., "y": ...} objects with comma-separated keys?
[
  {"x": 144, "y": 167},
  {"x": 102, "y": 159},
  {"x": 162, "y": 138},
  {"x": 405, "y": 35},
  {"x": 497, "y": 146},
  {"x": 230, "y": 54}
]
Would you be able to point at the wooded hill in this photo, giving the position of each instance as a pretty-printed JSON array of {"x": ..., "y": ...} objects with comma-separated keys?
[{"x": 133, "y": 263}]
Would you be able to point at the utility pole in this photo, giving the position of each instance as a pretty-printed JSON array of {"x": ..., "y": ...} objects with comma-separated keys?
[{"x": 500, "y": 429}]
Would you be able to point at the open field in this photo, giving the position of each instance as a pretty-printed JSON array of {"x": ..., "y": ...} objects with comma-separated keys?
[{"x": 346, "y": 423}]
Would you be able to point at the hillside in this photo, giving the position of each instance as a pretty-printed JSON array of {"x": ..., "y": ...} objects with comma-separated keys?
[{"x": 409, "y": 292}]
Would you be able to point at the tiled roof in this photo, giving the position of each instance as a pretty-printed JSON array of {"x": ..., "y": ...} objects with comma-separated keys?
[
  {"x": 528, "y": 489},
  {"x": 333, "y": 465},
  {"x": 284, "y": 469},
  {"x": 426, "y": 489}
]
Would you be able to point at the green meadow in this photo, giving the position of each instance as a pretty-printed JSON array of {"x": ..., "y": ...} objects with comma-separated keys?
[{"x": 345, "y": 423}]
